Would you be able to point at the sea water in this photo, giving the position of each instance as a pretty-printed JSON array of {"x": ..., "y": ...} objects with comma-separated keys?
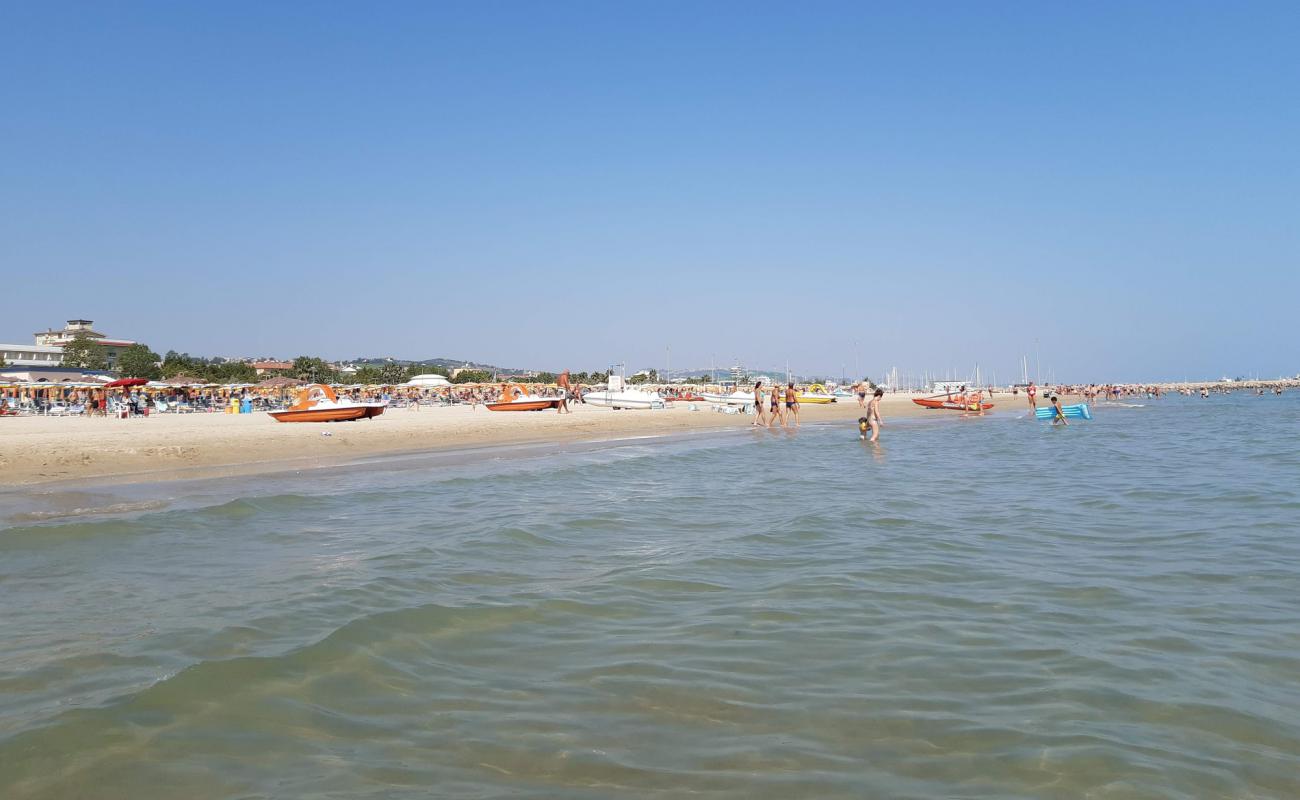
[{"x": 986, "y": 608}]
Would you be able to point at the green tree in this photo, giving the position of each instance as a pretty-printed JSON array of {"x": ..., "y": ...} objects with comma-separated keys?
[
  {"x": 367, "y": 375},
  {"x": 392, "y": 374},
  {"x": 546, "y": 377},
  {"x": 313, "y": 370},
  {"x": 183, "y": 364},
  {"x": 231, "y": 372},
  {"x": 82, "y": 352},
  {"x": 427, "y": 369},
  {"x": 138, "y": 361},
  {"x": 652, "y": 376},
  {"x": 472, "y": 376}
]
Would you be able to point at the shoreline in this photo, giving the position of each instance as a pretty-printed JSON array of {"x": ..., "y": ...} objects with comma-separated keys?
[
  {"x": 59, "y": 501},
  {"x": 56, "y": 453}
]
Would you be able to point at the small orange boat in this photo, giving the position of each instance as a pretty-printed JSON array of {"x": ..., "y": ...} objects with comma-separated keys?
[
  {"x": 953, "y": 402},
  {"x": 319, "y": 403},
  {"x": 515, "y": 398}
]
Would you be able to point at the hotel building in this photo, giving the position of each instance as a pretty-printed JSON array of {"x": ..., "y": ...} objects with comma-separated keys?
[{"x": 46, "y": 355}]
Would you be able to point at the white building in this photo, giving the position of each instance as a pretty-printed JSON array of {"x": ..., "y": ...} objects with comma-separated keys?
[
  {"x": 47, "y": 352},
  {"x": 31, "y": 355},
  {"x": 48, "y": 347},
  {"x": 947, "y": 387}
]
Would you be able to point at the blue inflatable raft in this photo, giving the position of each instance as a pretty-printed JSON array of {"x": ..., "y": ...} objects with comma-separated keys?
[{"x": 1076, "y": 411}]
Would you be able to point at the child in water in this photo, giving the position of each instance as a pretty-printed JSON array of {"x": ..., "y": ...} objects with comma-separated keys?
[
  {"x": 863, "y": 428},
  {"x": 1058, "y": 413}
]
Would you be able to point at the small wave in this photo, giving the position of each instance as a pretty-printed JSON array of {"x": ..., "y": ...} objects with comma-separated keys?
[
  {"x": 243, "y": 507},
  {"x": 525, "y": 537},
  {"x": 125, "y": 507}
]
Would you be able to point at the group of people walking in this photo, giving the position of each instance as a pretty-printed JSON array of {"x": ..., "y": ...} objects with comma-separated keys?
[{"x": 777, "y": 410}]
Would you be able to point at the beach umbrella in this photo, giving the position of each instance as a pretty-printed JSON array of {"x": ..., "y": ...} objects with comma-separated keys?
[
  {"x": 184, "y": 380},
  {"x": 125, "y": 382},
  {"x": 279, "y": 382}
]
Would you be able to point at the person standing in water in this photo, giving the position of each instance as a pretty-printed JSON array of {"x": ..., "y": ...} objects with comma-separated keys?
[
  {"x": 873, "y": 415},
  {"x": 759, "y": 420},
  {"x": 792, "y": 403},
  {"x": 1031, "y": 391},
  {"x": 777, "y": 414},
  {"x": 1058, "y": 413}
]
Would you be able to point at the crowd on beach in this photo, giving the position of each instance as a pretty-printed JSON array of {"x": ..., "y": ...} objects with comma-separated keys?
[
  {"x": 773, "y": 405},
  {"x": 81, "y": 400}
]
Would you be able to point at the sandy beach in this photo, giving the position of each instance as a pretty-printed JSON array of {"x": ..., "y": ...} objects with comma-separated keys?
[{"x": 35, "y": 450}]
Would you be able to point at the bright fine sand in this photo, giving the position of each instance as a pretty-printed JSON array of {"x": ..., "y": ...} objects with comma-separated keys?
[{"x": 162, "y": 447}]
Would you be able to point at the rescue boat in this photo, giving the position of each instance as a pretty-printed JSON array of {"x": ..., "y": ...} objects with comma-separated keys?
[
  {"x": 319, "y": 403},
  {"x": 954, "y": 402}
]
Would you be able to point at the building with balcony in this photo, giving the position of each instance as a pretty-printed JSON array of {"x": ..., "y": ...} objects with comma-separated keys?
[{"x": 47, "y": 352}]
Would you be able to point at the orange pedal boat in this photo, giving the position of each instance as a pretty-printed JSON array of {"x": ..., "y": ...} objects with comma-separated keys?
[
  {"x": 515, "y": 398},
  {"x": 319, "y": 403}
]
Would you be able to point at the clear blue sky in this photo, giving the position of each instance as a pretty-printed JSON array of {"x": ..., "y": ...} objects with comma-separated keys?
[{"x": 575, "y": 184}]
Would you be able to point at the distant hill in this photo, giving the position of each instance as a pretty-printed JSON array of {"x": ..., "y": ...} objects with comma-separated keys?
[
  {"x": 445, "y": 363},
  {"x": 724, "y": 374}
]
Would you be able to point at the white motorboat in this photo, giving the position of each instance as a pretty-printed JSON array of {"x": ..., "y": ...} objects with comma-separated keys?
[{"x": 627, "y": 398}]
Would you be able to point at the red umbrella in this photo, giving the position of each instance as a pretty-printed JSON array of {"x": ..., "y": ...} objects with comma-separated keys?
[{"x": 126, "y": 382}]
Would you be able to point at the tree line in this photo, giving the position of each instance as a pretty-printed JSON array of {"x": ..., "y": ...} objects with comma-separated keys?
[{"x": 138, "y": 361}]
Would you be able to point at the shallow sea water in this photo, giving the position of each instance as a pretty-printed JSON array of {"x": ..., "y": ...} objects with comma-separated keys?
[{"x": 981, "y": 608}]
